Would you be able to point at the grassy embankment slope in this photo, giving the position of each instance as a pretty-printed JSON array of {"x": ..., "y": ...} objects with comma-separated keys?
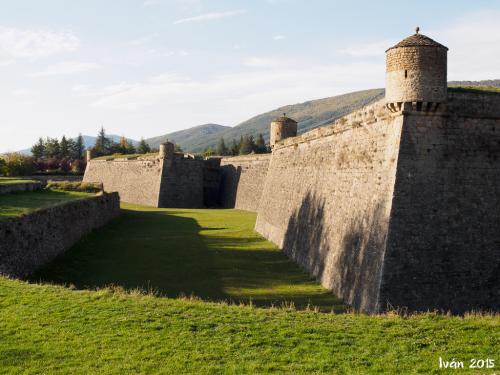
[
  {"x": 11, "y": 180},
  {"x": 214, "y": 254},
  {"x": 17, "y": 204}
]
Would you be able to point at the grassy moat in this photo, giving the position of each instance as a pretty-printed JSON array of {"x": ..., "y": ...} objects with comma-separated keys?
[
  {"x": 211, "y": 254},
  {"x": 83, "y": 327}
]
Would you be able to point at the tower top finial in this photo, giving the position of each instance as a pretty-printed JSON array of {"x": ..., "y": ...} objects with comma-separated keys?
[{"x": 417, "y": 30}]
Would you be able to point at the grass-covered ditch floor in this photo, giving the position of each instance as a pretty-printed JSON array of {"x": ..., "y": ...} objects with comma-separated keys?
[
  {"x": 213, "y": 254},
  {"x": 10, "y": 180},
  {"x": 54, "y": 330},
  {"x": 17, "y": 204}
]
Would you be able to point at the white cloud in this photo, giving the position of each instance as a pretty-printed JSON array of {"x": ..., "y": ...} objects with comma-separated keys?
[
  {"x": 279, "y": 37},
  {"x": 252, "y": 90},
  {"x": 268, "y": 62},
  {"x": 211, "y": 16},
  {"x": 472, "y": 40},
  {"x": 143, "y": 40},
  {"x": 67, "y": 68},
  {"x": 22, "y": 92},
  {"x": 374, "y": 49},
  {"x": 148, "y": 3},
  {"x": 34, "y": 44}
]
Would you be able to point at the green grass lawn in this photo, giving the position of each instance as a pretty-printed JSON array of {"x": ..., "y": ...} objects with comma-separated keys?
[
  {"x": 54, "y": 330},
  {"x": 16, "y": 204},
  {"x": 13, "y": 180},
  {"x": 212, "y": 254}
]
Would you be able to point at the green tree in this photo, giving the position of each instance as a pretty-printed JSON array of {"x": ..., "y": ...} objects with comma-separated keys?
[
  {"x": 64, "y": 148},
  {"x": 52, "y": 148},
  {"x": 102, "y": 144},
  {"x": 17, "y": 164},
  {"x": 209, "y": 151},
  {"x": 260, "y": 144},
  {"x": 126, "y": 147},
  {"x": 143, "y": 147},
  {"x": 38, "y": 149},
  {"x": 221, "y": 148},
  {"x": 235, "y": 148},
  {"x": 178, "y": 148},
  {"x": 247, "y": 146},
  {"x": 3, "y": 167},
  {"x": 78, "y": 148}
]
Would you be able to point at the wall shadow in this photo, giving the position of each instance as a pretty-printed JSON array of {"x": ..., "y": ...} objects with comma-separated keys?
[
  {"x": 347, "y": 261},
  {"x": 229, "y": 180},
  {"x": 173, "y": 255}
]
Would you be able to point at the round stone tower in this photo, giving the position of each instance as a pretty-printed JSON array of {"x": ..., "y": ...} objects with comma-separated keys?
[
  {"x": 416, "y": 74},
  {"x": 281, "y": 128}
]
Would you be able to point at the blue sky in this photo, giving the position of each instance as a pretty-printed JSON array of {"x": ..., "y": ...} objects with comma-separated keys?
[{"x": 143, "y": 68}]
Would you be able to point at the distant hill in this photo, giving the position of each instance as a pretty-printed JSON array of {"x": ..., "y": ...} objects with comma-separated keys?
[
  {"x": 191, "y": 139},
  {"x": 489, "y": 82},
  {"x": 309, "y": 114},
  {"x": 89, "y": 141}
]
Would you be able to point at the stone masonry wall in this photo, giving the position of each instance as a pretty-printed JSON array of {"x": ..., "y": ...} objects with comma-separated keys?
[
  {"x": 243, "y": 180},
  {"x": 327, "y": 200},
  {"x": 20, "y": 187},
  {"x": 182, "y": 183},
  {"x": 30, "y": 241},
  {"x": 416, "y": 74},
  {"x": 444, "y": 244},
  {"x": 137, "y": 181}
]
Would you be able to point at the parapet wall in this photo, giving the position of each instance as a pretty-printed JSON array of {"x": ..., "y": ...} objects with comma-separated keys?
[
  {"x": 137, "y": 180},
  {"x": 19, "y": 187},
  {"x": 30, "y": 241},
  {"x": 327, "y": 201},
  {"x": 242, "y": 181}
]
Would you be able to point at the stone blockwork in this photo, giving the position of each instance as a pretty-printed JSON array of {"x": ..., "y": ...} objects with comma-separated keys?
[
  {"x": 30, "y": 241},
  {"x": 327, "y": 201},
  {"x": 175, "y": 180},
  {"x": 20, "y": 187},
  {"x": 137, "y": 181},
  {"x": 394, "y": 209},
  {"x": 182, "y": 182},
  {"x": 443, "y": 249},
  {"x": 243, "y": 179}
]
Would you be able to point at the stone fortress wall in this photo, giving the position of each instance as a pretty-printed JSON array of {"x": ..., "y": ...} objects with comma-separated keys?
[
  {"x": 137, "y": 181},
  {"x": 394, "y": 205},
  {"x": 30, "y": 241},
  {"x": 242, "y": 182},
  {"x": 327, "y": 201}
]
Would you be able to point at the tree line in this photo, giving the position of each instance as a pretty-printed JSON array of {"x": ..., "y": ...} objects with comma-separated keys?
[
  {"x": 106, "y": 146},
  {"x": 246, "y": 145}
]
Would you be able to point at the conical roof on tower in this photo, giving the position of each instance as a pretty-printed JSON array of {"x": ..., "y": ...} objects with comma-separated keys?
[{"x": 418, "y": 40}]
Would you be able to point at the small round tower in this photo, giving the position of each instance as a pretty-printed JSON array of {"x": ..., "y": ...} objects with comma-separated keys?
[
  {"x": 416, "y": 70},
  {"x": 281, "y": 128},
  {"x": 167, "y": 150}
]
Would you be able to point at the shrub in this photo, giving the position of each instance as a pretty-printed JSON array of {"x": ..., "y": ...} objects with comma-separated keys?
[
  {"x": 65, "y": 165},
  {"x": 18, "y": 164},
  {"x": 78, "y": 166},
  {"x": 3, "y": 167},
  {"x": 88, "y": 187}
]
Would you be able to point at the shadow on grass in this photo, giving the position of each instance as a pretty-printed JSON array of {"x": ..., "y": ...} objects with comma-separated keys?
[{"x": 173, "y": 255}]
